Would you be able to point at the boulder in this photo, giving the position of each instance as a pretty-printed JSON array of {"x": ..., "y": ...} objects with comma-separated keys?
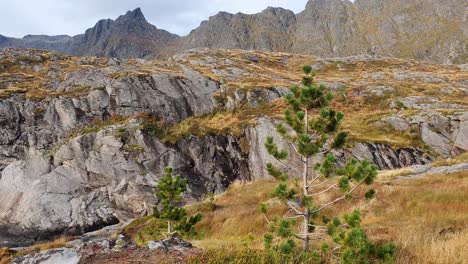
[
  {"x": 461, "y": 138},
  {"x": 173, "y": 243}
]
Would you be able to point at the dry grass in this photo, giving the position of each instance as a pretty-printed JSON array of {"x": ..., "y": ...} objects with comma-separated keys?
[
  {"x": 362, "y": 128},
  {"x": 426, "y": 217},
  {"x": 234, "y": 220},
  {"x": 5, "y": 255},
  {"x": 390, "y": 175},
  {"x": 462, "y": 158},
  {"x": 223, "y": 122},
  {"x": 58, "y": 243}
]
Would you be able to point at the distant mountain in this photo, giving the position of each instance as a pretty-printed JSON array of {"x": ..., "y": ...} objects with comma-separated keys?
[
  {"x": 270, "y": 30},
  {"x": 430, "y": 30},
  {"x": 423, "y": 29},
  {"x": 130, "y": 35}
]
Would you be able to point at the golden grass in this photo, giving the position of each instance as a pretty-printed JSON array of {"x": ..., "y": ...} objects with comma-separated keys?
[
  {"x": 235, "y": 218},
  {"x": 5, "y": 255},
  {"x": 58, "y": 243},
  {"x": 426, "y": 217},
  {"x": 462, "y": 158},
  {"x": 362, "y": 128},
  {"x": 223, "y": 122},
  {"x": 389, "y": 175}
]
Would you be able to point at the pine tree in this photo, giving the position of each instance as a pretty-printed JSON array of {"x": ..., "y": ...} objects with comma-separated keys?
[
  {"x": 312, "y": 129},
  {"x": 169, "y": 194}
]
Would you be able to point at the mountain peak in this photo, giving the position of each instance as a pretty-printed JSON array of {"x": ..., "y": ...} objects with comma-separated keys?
[{"x": 136, "y": 14}]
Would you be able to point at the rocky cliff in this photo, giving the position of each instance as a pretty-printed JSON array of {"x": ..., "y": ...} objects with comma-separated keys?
[
  {"x": 83, "y": 141},
  {"x": 429, "y": 30}
]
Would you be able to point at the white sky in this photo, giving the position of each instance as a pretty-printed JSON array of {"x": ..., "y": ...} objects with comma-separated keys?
[{"x": 71, "y": 17}]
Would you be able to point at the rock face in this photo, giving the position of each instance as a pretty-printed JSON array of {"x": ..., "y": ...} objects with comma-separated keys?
[
  {"x": 129, "y": 36},
  {"x": 269, "y": 30},
  {"x": 423, "y": 29}
]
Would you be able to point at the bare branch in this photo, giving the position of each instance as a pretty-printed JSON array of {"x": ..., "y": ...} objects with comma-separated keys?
[
  {"x": 320, "y": 184},
  {"x": 318, "y": 226},
  {"x": 292, "y": 207},
  {"x": 337, "y": 199},
  {"x": 293, "y": 217},
  {"x": 266, "y": 218},
  {"x": 294, "y": 147},
  {"x": 298, "y": 237},
  {"x": 286, "y": 167},
  {"x": 325, "y": 151},
  {"x": 314, "y": 179},
  {"x": 324, "y": 191}
]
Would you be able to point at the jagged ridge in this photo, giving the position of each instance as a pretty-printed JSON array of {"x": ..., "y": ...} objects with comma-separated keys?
[{"x": 423, "y": 29}]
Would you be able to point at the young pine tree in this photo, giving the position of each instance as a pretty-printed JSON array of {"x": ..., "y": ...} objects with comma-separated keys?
[
  {"x": 311, "y": 129},
  {"x": 169, "y": 195}
]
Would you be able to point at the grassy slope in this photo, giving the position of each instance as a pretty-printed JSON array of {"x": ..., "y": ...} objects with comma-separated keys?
[{"x": 426, "y": 217}]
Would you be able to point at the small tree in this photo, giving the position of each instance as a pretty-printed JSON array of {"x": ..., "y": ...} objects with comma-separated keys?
[
  {"x": 309, "y": 137},
  {"x": 169, "y": 195}
]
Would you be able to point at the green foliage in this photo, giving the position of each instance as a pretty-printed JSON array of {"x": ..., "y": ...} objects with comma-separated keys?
[
  {"x": 361, "y": 171},
  {"x": 387, "y": 252},
  {"x": 370, "y": 194},
  {"x": 276, "y": 172},
  {"x": 307, "y": 69},
  {"x": 354, "y": 243},
  {"x": 272, "y": 149},
  {"x": 328, "y": 166},
  {"x": 279, "y": 239},
  {"x": 283, "y": 192},
  {"x": 169, "y": 195}
]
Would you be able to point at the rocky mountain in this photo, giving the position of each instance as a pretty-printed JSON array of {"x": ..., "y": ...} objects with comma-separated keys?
[
  {"x": 429, "y": 30},
  {"x": 129, "y": 36},
  {"x": 332, "y": 28},
  {"x": 269, "y": 30},
  {"x": 83, "y": 141}
]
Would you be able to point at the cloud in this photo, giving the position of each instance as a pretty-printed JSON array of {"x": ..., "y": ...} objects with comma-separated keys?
[{"x": 71, "y": 17}]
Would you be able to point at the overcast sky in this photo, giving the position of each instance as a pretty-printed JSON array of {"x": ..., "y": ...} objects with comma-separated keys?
[{"x": 71, "y": 17}]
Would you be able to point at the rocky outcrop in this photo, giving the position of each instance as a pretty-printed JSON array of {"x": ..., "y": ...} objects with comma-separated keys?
[
  {"x": 422, "y": 29},
  {"x": 51, "y": 256},
  {"x": 384, "y": 156},
  {"x": 98, "y": 179},
  {"x": 442, "y": 133}
]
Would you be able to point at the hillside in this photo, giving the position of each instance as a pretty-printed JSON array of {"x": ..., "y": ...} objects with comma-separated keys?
[
  {"x": 429, "y": 30},
  {"x": 84, "y": 140}
]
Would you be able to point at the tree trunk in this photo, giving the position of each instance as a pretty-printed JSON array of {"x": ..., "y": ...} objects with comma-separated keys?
[{"x": 305, "y": 175}]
